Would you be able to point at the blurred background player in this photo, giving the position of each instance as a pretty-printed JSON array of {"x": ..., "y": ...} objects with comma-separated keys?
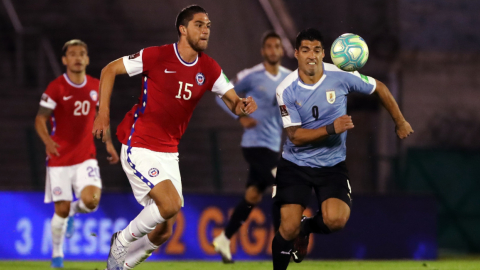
[
  {"x": 175, "y": 77},
  {"x": 262, "y": 136},
  {"x": 312, "y": 103},
  {"x": 70, "y": 102}
]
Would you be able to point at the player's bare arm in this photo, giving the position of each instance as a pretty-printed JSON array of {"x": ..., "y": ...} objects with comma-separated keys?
[
  {"x": 107, "y": 80},
  {"x": 301, "y": 136},
  {"x": 239, "y": 106},
  {"x": 402, "y": 127},
  {"x": 113, "y": 158},
  {"x": 41, "y": 119}
]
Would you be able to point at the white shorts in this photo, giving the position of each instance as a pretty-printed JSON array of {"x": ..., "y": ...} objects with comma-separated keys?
[
  {"x": 61, "y": 180},
  {"x": 146, "y": 168}
]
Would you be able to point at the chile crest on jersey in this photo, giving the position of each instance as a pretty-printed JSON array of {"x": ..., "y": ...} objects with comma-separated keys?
[{"x": 200, "y": 78}]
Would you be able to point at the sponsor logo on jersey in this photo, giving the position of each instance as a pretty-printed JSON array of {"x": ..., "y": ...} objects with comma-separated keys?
[
  {"x": 331, "y": 96},
  {"x": 153, "y": 172},
  {"x": 94, "y": 95},
  {"x": 283, "y": 110},
  {"x": 67, "y": 98},
  {"x": 226, "y": 78},
  {"x": 57, "y": 191},
  {"x": 133, "y": 56},
  {"x": 200, "y": 78},
  {"x": 364, "y": 78},
  {"x": 299, "y": 103}
]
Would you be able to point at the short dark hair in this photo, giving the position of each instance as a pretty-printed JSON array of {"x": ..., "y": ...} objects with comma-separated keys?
[
  {"x": 308, "y": 34},
  {"x": 270, "y": 34},
  {"x": 186, "y": 15},
  {"x": 73, "y": 42}
]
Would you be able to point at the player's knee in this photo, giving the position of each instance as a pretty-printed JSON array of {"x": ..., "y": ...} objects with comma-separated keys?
[
  {"x": 335, "y": 223},
  {"x": 289, "y": 230},
  {"x": 91, "y": 203},
  {"x": 167, "y": 211}
]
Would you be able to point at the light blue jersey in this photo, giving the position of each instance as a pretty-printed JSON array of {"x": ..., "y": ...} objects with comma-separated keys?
[
  {"x": 314, "y": 106},
  {"x": 261, "y": 85}
]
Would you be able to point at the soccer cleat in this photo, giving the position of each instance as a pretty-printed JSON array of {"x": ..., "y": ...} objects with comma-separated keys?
[
  {"x": 70, "y": 227},
  {"x": 300, "y": 244},
  {"x": 222, "y": 246},
  {"x": 57, "y": 262},
  {"x": 116, "y": 257}
]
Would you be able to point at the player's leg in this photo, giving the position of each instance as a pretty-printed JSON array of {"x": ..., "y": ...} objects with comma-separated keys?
[
  {"x": 58, "y": 190},
  {"x": 282, "y": 243},
  {"x": 141, "y": 249},
  {"x": 334, "y": 198},
  {"x": 261, "y": 162},
  {"x": 154, "y": 177},
  {"x": 87, "y": 185},
  {"x": 58, "y": 227},
  {"x": 293, "y": 192},
  {"x": 88, "y": 202}
]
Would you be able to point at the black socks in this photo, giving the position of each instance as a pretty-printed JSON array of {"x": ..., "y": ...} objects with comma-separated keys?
[
  {"x": 281, "y": 250},
  {"x": 314, "y": 225},
  {"x": 240, "y": 214}
]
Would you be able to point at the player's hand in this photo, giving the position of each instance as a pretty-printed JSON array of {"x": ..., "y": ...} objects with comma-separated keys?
[
  {"x": 101, "y": 125},
  {"x": 246, "y": 106},
  {"x": 51, "y": 149},
  {"x": 343, "y": 123},
  {"x": 247, "y": 121},
  {"x": 403, "y": 130},
  {"x": 113, "y": 158}
]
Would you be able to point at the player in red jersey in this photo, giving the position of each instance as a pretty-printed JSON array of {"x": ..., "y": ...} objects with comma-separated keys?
[
  {"x": 174, "y": 78},
  {"x": 70, "y": 103}
]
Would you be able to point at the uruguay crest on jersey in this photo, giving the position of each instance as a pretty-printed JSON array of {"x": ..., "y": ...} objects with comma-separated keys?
[{"x": 331, "y": 96}]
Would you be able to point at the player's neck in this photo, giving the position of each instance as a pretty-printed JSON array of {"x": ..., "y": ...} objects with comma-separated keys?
[
  {"x": 310, "y": 79},
  {"x": 76, "y": 78},
  {"x": 272, "y": 69},
  {"x": 186, "y": 52}
]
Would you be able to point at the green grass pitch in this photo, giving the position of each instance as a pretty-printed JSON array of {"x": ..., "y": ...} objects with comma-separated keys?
[{"x": 445, "y": 264}]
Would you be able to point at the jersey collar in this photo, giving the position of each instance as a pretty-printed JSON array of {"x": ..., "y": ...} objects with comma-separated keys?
[
  {"x": 185, "y": 63},
  {"x": 74, "y": 84}
]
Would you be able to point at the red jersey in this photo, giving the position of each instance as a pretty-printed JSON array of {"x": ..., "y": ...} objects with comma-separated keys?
[
  {"x": 171, "y": 88},
  {"x": 74, "y": 109}
]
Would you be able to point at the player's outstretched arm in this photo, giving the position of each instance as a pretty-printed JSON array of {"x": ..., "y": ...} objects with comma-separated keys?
[
  {"x": 302, "y": 136},
  {"x": 107, "y": 80},
  {"x": 41, "y": 127},
  {"x": 239, "y": 106},
  {"x": 402, "y": 127}
]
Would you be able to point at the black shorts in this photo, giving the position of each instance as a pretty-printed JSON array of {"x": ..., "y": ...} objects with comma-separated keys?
[
  {"x": 261, "y": 160},
  {"x": 295, "y": 183}
]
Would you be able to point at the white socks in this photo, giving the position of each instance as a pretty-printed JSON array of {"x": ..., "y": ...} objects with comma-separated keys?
[
  {"x": 138, "y": 252},
  {"x": 79, "y": 207},
  {"x": 144, "y": 223},
  {"x": 59, "y": 226}
]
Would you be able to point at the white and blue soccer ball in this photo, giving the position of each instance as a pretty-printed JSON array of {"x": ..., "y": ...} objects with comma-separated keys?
[{"x": 349, "y": 52}]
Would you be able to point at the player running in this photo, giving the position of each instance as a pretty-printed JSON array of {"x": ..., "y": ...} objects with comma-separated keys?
[
  {"x": 262, "y": 137},
  {"x": 312, "y": 103},
  {"x": 174, "y": 78},
  {"x": 70, "y": 102}
]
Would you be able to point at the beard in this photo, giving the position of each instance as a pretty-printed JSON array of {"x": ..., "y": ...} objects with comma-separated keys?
[
  {"x": 195, "y": 45},
  {"x": 273, "y": 60}
]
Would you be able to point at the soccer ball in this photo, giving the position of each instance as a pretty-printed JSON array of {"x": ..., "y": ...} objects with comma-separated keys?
[{"x": 349, "y": 52}]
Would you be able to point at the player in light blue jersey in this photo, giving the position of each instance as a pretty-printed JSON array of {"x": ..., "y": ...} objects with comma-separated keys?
[
  {"x": 262, "y": 136},
  {"x": 313, "y": 105}
]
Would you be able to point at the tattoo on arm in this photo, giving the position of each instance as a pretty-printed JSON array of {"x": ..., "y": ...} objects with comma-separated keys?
[
  {"x": 291, "y": 131},
  {"x": 43, "y": 111}
]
